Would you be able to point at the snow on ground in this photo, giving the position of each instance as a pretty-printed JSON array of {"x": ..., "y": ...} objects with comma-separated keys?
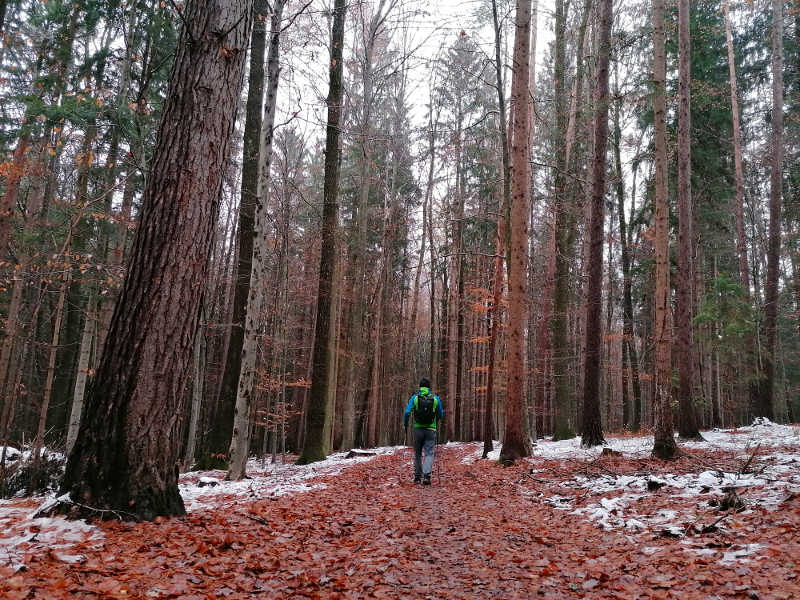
[
  {"x": 24, "y": 535},
  {"x": 770, "y": 478},
  {"x": 207, "y": 489},
  {"x": 21, "y": 534}
]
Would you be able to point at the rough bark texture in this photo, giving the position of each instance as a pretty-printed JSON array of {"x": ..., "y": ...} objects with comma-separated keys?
[
  {"x": 318, "y": 415},
  {"x": 687, "y": 424},
  {"x": 563, "y": 425},
  {"x": 125, "y": 460},
  {"x": 664, "y": 442},
  {"x": 505, "y": 203},
  {"x": 516, "y": 443},
  {"x": 248, "y": 376},
  {"x": 220, "y": 437},
  {"x": 767, "y": 404},
  {"x": 592, "y": 423}
]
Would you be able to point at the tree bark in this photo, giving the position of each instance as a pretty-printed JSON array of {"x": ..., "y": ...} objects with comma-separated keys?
[
  {"x": 592, "y": 423},
  {"x": 248, "y": 375},
  {"x": 38, "y": 442},
  {"x": 516, "y": 443},
  {"x": 562, "y": 419},
  {"x": 318, "y": 417},
  {"x": 767, "y": 404},
  {"x": 84, "y": 358},
  {"x": 197, "y": 398},
  {"x": 664, "y": 446},
  {"x": 741, "y": 239},
  {"x": 222, "y": 430},
  {"x": 564, "y": 224},
  {"x": 125, "y": 462},
  {"x": 687, "y": 423},
  {"x": 504, "y": 204}
]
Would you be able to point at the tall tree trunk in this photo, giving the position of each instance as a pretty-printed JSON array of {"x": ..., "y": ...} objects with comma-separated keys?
[
  {"x": 592, "y": 423},
  {"x": 687, "y": 423},
  {"x": 564, "y": 428},
  {"x": 454, "y": 303},
  {"x": 565, "y": 192},
  {"x": 318, "y": 417},
  {"x": 38, "y": 442},
  {"x": 504, "y": 205},
  {"x": 767, "y": 405},
  {"x": 627, "y": 303},
  {"x": 664, "y": 446},
  {"x": 516, "y": 443},
  {"x": 84, "y": 358},
  {"x": 126, "y": 457},
  {"x": 248, "y": 375},
  {"x": 741, "y": 239},
  {"x": 197, "y": 398},
  {"x": 222, "y": 430}
]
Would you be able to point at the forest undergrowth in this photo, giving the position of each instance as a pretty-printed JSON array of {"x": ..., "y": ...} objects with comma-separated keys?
[{"x": 719, "y": 522}]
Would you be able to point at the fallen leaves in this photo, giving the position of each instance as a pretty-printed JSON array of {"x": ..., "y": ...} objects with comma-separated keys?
[{"x": 479, "y": 532}]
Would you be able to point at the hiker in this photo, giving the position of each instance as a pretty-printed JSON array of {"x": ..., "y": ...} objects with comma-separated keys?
[{"x": 428, "y": 411}]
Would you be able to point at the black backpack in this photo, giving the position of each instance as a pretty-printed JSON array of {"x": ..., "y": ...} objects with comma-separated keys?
[{"x": 424, "y": 410}]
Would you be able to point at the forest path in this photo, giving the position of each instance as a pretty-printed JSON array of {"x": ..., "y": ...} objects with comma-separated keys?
[{"x": 480, "y": 531}]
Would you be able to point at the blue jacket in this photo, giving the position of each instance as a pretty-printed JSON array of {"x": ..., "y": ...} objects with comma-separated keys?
[{"x": 437, "y": 402}]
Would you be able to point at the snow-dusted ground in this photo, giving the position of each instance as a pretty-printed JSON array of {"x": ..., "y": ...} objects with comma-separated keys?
[
  {"x": 22, "y": 534},
  {"x": 772, "y": 475},
  {"x": 206, "y": 489}
]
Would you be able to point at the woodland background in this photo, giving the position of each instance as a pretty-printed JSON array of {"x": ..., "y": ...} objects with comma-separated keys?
[{"x": 421, "y": 222}]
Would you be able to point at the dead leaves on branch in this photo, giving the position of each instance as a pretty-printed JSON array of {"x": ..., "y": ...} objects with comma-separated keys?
[{"x": 479, "y": 532}]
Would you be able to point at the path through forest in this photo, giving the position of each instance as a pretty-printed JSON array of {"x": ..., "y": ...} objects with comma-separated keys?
[{"x": 597, "y": 526}]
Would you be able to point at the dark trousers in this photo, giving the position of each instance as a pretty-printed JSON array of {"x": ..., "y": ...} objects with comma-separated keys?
[{"x": 424, "y": 439}]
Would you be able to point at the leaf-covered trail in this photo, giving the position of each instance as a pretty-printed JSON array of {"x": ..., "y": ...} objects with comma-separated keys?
[{"x": 481, "y": 531}]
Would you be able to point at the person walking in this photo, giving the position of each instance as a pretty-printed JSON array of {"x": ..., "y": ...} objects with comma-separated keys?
[{"x": 428, "y": 413}]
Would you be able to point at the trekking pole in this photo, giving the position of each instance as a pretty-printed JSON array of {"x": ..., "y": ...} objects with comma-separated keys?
[{"x": 435, "y": 452}]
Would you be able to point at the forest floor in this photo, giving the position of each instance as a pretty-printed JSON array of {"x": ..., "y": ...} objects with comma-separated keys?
[{"x": 722, "y": 521}]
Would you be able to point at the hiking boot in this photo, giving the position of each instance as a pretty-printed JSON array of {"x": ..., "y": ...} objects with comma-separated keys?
[
  {"x": 426, "y": 480},
  {"x": 417, "y": 479}
]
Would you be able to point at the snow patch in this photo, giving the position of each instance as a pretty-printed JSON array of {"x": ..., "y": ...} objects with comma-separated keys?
[
  {"x": 24, "y": 535},
  {"x": 202, "y": 490}
]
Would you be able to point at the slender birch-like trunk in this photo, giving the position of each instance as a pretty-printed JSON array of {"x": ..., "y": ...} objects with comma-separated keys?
[
  {"x": 84, "y": 361},
  {"x": 248, "y": 375}
]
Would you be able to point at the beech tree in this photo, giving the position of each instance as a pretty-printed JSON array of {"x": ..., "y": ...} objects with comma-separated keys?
[
  {"x": 240, "y": 440},
  {"x": 318, "y": 419},
  {"x": 125, "y": 459}
]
